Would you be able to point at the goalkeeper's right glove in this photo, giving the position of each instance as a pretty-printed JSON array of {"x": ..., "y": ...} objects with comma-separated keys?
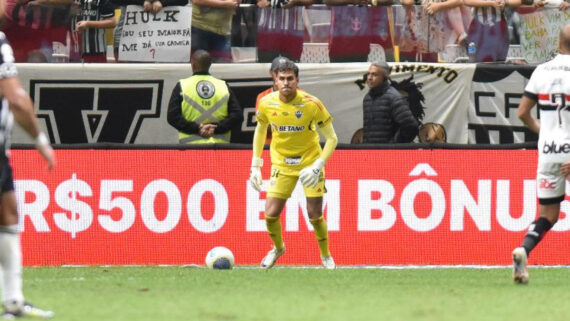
[{"x": 255, "y": 178}]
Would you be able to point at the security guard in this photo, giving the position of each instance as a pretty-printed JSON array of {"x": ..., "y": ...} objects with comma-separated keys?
[{"x": 203, "y": 108}]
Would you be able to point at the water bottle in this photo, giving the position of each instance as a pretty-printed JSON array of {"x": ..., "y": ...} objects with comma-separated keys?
[{"x": 471, "y": 51}]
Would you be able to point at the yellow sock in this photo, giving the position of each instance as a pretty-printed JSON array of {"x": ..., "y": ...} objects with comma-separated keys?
[
  {"x": 322, "y": 235},
  {"x": 274, "y": 228}
]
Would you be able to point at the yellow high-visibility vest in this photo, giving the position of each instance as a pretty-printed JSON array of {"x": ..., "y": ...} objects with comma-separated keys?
[{"x": 205, "y": 101}]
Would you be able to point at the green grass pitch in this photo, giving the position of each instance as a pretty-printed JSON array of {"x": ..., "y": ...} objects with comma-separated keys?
[{"x": 182, "y": 293}]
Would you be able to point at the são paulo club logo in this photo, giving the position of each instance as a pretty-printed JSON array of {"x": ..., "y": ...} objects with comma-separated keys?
[{"x": 95, "y": 111}]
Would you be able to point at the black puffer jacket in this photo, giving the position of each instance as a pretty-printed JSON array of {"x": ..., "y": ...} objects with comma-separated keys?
[{"x": 387, "y": 117}]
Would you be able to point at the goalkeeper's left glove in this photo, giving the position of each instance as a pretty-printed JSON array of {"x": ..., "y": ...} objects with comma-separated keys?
[{"x": 309, "y": 176}]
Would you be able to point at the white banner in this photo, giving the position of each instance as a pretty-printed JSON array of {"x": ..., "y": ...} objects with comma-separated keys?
[
  {"x": 445, "y": 87},
  {"x": 161, "y": 37},
  {"x": 128, "y": 103},
  {"x": 495, "y": 97}
]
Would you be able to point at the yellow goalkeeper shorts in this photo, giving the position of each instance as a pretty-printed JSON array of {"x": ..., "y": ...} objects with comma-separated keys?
[{"x": 283, "y": 181}]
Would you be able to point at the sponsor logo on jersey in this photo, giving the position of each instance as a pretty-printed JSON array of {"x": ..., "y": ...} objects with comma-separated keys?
[
  {"x": 545, "y": 184},
  {"x": 89, "y": 12},
  {"x": 298, "y": 114},
  {"x": 553, "y": 148},
  {"x": 290, "y": 128},
  {"x": 293, "y": 160},
  {"x": 274, "y": 113},
  {"x": 285, "y": 113}
]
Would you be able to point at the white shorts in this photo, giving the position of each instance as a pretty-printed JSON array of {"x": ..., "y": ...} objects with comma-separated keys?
[{"x": 550, "y": 184}]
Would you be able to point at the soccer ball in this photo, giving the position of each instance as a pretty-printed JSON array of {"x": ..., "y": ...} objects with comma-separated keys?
[{"x": 220, "y": 258}]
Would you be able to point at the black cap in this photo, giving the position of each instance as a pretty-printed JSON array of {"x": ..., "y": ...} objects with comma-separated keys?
[{"x": 278, "y": 61}]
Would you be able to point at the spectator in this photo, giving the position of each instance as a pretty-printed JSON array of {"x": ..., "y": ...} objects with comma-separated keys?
[
  {"x": 148, "y": 6},
  {"x": 203, "y": 108},
  {"x": 354, "y": 26},
  {"x": 387, "y": 115},
  {"x": 422, "y": 36},
  {"x": 560, "y": 4},
  {"x": 488, "y": 30},
  {"x": 90, "y": 23},
  {"x": 211, "y": 27},
  {"x": 280, "y": 29},
  {"x": 36, "y": 56},
  {"x": 246, "y": 35},
  {"x": 458, "y": 17},
  {"x": 35, "y": 25}
]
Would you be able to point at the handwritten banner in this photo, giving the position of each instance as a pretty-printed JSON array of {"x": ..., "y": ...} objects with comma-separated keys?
[
  {"x": 161, "y": 37},
  {"x": 539, "y": 33}
]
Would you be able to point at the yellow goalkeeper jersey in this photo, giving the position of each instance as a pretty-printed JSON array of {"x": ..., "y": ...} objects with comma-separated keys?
[{"x": 295, "y": 140}]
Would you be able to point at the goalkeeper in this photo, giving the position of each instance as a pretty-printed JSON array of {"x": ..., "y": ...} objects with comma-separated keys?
[{"x": 296, "y": 154}]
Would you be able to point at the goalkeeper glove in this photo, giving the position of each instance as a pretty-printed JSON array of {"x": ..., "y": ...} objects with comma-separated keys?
[
  {"x": 255, "y": 178},
  {"x": 309, "y": 176}
]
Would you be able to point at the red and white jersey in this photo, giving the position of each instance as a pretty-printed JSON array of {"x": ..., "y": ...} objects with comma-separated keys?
[{"x": 549, "y": 85}]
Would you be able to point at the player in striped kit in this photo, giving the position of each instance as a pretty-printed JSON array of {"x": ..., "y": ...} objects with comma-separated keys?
[
  {"x": 549, "y": 89},
  {"x": 16, "y": 105}
]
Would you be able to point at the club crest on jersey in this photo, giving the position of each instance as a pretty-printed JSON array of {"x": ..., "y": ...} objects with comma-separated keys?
[
  {"x": 205, "y": 89},
  {"x": 298, "y": 114}
]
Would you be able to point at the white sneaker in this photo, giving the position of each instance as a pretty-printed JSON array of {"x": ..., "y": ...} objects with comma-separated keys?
[
  {"x": 328, "y": 262},
  {"x": 13, "y": 311},
  {"x": 520, "y": 273},
  {"x": 271, "y": 257}
]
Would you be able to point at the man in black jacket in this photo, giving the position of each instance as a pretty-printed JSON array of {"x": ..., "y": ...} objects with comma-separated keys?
[{"x": 387, "y": 115}]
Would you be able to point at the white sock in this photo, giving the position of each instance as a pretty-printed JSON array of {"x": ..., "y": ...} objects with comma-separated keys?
[{"x": 11, "y": 263}]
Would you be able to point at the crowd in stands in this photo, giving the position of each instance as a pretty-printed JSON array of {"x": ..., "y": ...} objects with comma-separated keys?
[{"x": 404, "y": 30}]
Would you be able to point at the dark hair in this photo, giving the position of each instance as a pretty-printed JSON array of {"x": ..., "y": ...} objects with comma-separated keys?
[
  {"x": 279, "y": 60},
  {"x": 288, "y": 66},
  {"x": 201, "y": 61}
]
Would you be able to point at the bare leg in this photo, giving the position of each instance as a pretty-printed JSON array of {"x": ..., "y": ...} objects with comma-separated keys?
[{"x": 456, "y": 21}]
